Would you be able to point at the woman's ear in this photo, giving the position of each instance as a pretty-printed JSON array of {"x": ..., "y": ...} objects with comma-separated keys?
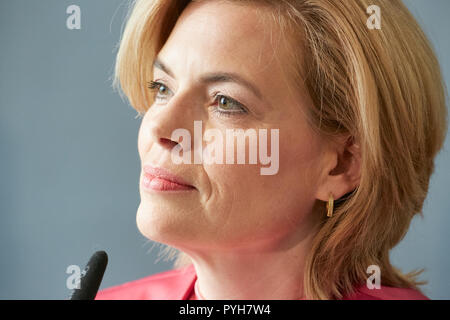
[{"x": 342, "y": 169}]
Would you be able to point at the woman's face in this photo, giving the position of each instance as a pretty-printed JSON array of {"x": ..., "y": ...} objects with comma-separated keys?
[{"x": 232, "y": 206}]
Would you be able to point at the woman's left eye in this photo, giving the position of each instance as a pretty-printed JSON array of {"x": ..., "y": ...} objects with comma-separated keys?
[{"x": 227, "y": 106}]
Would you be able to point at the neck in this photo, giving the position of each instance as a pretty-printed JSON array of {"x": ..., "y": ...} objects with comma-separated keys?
[{"x": 258, "y": 274}]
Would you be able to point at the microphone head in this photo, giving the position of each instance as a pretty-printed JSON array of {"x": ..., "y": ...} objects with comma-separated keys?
[{"x": 91, "y": 277}]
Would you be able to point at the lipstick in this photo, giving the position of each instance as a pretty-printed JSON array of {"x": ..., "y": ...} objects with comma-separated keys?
[{"x": 159, "y": 179}]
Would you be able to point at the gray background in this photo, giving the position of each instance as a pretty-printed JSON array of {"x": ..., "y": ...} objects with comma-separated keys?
[{"x": 69, "y": 165}]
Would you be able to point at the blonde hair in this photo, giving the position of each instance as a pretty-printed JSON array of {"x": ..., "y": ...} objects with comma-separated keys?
[{"x": 381, "y": 87}]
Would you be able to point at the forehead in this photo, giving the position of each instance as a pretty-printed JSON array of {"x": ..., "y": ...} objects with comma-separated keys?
[{"x": 224, "y": 35}]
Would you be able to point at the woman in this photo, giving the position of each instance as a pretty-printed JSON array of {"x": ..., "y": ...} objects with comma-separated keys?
[{"x": 354, "y": 116}]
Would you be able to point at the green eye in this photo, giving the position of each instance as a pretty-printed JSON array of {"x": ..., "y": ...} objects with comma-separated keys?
[
  {"x": 161, "y": 89},
  {"x": 226, "y": 104}
]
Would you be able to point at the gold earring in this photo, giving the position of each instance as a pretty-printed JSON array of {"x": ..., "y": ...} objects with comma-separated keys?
[{"x": 330, "y": 206}]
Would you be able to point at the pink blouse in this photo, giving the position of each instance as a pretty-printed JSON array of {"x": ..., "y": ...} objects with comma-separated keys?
[{"x": 180, "y": 284}]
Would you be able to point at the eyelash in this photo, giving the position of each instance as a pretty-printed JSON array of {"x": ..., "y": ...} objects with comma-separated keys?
[{"x": 155, "y": 86}]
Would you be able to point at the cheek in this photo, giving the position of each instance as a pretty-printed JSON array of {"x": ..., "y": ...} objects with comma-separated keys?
[
  {"x": 229, "y": 185},
  {"x": 235, "y": 201},
  {"x": 237, "y": 180},
  {"x": 143, "y": 139},
  {"x": 247, "y": 208},
  {"x": 300, "y": 154},
  {"x": 243, "y": 186}
]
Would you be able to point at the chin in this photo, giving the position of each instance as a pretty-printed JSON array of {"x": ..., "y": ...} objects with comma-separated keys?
[{"x": 161, "y": 225}]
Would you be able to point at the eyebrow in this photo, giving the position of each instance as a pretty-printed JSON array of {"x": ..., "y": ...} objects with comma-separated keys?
[{"x": 214, "y": 77}]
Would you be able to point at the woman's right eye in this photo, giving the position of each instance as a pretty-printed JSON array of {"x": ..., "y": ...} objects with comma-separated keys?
[{"x": 161, "y": 89}]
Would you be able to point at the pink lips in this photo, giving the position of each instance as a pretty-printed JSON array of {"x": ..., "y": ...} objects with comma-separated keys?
[{"x": 159, "y": 179}]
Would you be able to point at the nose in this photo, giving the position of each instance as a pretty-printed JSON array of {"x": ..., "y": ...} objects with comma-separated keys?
[
  {"x": 163, "y": 120},
  {"x": 167, "y": 143}
]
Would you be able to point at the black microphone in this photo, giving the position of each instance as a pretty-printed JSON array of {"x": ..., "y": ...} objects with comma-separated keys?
[{"x": 91, "y": 277}]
